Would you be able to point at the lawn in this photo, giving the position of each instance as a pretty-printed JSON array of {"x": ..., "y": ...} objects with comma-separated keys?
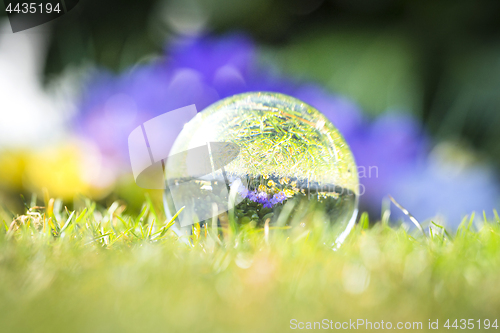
[{"x": 98, "y": 269}]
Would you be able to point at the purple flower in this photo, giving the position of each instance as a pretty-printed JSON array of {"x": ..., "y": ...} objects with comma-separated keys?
[
  {"x": 268, "y": 205},
  {"x": 224, "y": 63},
  {"x": 278, "y": 198},
  {"x": 386, "y": 150},
  {"x": 252, "y": 195},
  {"x": 200, "y": 71},
  {"x": 262, "y": 198},
  {"x": 392, "y": 151},
  {"x": 242, "y": 190},
  {"x": 446, "y": 190}
]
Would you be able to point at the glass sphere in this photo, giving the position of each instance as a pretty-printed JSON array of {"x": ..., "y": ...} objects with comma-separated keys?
[{"x": 260, "y": 153}]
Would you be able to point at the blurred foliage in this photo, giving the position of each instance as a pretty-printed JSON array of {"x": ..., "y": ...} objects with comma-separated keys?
[
  {"x": 469, "y": 92},
  {"x": 437, "y": 59},
  {"x": 110, "y": 33},
  {"x": 378, "y": 69}
]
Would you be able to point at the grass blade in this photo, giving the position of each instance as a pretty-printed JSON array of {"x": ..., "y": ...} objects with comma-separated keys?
[{"x": 407, "y": 213}]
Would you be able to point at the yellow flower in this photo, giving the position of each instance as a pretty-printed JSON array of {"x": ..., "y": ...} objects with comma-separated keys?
[
  {"x": 64, "y": 170},
  {"x": 284, "y": 180},
  {"x": 270, "y": 183},
  {"x": 265, "y": 176},
  {"x": 262, "y": 188},
  {"x": 334, "y": 195},
  {"x": 289, "y": 193},
  {"x": 12, "y": 166}
]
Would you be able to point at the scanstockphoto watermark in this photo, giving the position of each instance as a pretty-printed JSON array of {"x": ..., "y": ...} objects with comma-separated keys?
[
  {"x": 357, "y": 324},
  {"x": 365, "y": 324},
  {"x": 364, "y": 172},
  {"x": 323, "y": 183}
]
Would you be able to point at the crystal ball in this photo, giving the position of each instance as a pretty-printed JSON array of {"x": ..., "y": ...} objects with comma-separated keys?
[{"x": 262, "y": 157}]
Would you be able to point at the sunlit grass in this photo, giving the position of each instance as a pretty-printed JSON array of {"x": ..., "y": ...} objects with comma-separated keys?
[{"x": 100, "y": 269}]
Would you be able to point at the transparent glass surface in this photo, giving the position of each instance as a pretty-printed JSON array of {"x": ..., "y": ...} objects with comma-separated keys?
[{"x": 259, "y": 157}]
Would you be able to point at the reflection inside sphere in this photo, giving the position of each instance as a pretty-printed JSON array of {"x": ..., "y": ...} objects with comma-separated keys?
[{"x": 252, "y": 157}]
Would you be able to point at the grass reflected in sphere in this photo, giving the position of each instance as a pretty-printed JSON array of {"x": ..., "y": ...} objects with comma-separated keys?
[{"x": 291, "y": 162}]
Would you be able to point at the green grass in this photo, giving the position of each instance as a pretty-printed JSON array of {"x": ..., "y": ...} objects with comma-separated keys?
[{"x": 101, "y": 270}]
